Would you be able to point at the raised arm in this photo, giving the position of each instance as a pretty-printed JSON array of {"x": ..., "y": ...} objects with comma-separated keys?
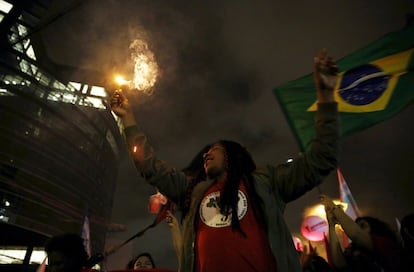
[
  {"x": 137, "y": 141},
  {"x": 169, "y": 181},
  {"x": 177, "y": 238},
  {"x": 308, "y": 170},
  {"x": 351, "y": 228},
  {"x": 325, "y": 76},
  {"x": 335, "y": 247}
]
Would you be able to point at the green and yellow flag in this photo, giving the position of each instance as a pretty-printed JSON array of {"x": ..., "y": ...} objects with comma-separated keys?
[{"x": 376, "y": 83}]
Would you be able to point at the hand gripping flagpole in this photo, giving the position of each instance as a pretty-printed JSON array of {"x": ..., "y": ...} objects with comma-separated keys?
[{"x": 162, "y": 214}]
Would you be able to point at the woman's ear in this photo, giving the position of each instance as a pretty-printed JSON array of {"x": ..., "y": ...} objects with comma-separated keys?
[{"x": 364, "y": 225}]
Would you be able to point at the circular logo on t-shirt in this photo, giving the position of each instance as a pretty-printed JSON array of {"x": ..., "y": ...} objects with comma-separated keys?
[{"x": 210, "y": 210}]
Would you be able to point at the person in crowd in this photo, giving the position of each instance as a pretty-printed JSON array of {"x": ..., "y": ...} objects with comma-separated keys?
[
  {"x": 232, "y": 210},
  {"x": 407, "y": 236},
  {"x": 163, "y": 207},
  {"x": 177, "y": 238},
  {"x": 375, "y": 246},
  {"x": 66, "y": 253},
  {"x": 142, "y": 261},
  {"x": 311, "y": 261}
]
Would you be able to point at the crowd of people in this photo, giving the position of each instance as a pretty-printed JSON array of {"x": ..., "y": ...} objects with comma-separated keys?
[
  {"x": 374, "y": 247},
  {"x": 233, "y": 211}
]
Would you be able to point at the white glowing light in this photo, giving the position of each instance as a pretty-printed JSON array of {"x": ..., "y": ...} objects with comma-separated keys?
[
  {"x": 121, "y": 80},
  {"x": 5, "y": 6},
  {"x": 319, "y": 209}
]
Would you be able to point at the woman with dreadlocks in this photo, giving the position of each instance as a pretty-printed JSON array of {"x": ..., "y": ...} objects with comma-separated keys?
[{"x": 233, "y": 211}]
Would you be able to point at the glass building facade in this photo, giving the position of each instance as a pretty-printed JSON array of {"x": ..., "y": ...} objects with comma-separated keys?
[{"x": 59, "y": 142}]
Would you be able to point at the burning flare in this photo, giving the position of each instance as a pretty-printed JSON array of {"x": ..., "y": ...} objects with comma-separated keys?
[{"x": 120, "y": 80}]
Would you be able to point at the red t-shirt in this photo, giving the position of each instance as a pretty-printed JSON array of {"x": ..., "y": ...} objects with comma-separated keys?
[{"x": 219, "y": 248}]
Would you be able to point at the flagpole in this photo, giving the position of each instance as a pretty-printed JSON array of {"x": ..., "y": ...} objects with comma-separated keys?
[
  {"x": 160, "y": 216},
  {"x": 138, "y": 234}
]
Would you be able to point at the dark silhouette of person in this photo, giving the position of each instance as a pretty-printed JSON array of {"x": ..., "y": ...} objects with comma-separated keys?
[
  {"x": 407, "y": 236},
  {"x": 375, "y": 247},
  {"x": 66, "y": 253}
]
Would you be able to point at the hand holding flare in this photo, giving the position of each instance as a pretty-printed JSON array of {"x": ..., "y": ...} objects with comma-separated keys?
[{"x": 121, "y": 107}]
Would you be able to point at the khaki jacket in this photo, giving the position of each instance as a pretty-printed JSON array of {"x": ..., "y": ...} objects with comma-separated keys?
[{"x": 275, "y": 185}]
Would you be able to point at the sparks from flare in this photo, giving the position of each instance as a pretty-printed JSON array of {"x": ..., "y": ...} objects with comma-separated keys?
[{"x": 145, "y": 67}]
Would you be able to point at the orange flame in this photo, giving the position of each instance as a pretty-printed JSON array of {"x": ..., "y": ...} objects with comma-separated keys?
[{"x": 120, "y": 80}]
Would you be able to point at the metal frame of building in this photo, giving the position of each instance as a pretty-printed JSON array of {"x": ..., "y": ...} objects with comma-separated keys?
[{"x": 59, "y": 142}]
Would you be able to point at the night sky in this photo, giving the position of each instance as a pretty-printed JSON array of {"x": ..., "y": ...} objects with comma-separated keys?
[{"x": 219, "y": 62}]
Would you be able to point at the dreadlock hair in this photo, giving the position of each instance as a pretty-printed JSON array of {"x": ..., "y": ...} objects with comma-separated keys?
[
  {"x": 195, "y": 173},
  {"x": 240, "y": 168}
]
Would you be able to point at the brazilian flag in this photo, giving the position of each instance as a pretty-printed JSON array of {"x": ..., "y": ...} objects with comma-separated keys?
[{"x": 377, "y": 82}]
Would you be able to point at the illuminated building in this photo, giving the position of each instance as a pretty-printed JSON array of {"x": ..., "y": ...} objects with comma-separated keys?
[{"x": 59, "y": 142}]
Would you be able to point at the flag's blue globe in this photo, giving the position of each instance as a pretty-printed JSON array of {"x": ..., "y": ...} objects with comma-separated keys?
[{"x": 363, "y": 85}]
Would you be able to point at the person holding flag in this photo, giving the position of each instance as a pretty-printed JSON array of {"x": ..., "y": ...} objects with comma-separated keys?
[
  {"x": 375, "y": 247},
  {"x": 375, "y": 83},
  {"x": 233, "y": 211}
]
